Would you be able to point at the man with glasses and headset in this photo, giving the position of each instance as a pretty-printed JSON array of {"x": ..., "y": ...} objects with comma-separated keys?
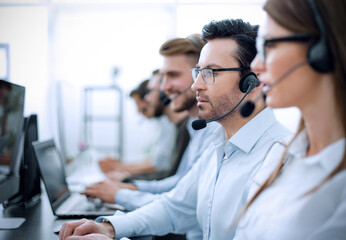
[{"x": 215, "y": 189}]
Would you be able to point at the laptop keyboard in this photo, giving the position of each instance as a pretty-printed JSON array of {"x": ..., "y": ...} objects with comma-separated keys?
[{"x": 79, "y": 203}]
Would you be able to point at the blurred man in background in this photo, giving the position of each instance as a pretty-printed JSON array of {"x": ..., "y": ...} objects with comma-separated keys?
[{"x": 162, "y": 157}]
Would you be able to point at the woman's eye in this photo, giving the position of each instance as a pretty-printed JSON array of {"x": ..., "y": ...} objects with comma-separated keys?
[{"x": 270, "y": 45}]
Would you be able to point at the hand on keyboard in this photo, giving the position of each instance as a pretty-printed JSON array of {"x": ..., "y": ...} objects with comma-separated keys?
[{"x": 96, "y": 202}]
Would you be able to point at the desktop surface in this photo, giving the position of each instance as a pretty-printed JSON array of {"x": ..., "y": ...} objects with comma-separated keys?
[
  {"x": 40, "y": 221},
  {"x": 39, "y": 224}
]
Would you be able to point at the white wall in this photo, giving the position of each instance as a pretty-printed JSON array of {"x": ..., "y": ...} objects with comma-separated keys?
[
  {"x": 90, "y": 40},
  {"x": 26, "y": 29}
]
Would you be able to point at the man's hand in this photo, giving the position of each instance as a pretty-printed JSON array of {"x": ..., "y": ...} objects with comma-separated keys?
[
  {"x": 94, "y": 236},
  {"x": 104, "y": 190},
  {"x": 117, "y": 176},
  {"x": 84, "y": 227},
  {"x": 110, "y": 164}
]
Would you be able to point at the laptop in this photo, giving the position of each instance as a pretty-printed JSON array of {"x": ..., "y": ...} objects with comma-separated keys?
[{"x": 64, "y": 203}]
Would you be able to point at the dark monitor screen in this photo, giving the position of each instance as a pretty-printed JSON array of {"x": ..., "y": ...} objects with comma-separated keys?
[
  {"x": 52, "y": 170},
  {"x": 30, "y": 185},
  {"x": 11, "y": 137}
]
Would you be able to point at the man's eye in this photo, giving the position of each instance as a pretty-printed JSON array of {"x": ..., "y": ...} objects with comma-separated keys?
[
  {"x": 174, "y": 75},
  {"x": 209, "y": 74}
]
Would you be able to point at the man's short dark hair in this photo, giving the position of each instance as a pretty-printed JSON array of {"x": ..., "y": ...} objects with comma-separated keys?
[
  {"x": 156, "y": 71},
  {"x": 141, "y": 90},
  {"x": 243, "y": 33}
]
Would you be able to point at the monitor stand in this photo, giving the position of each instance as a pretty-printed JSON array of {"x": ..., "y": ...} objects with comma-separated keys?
[{"x": 10, "y": 223}]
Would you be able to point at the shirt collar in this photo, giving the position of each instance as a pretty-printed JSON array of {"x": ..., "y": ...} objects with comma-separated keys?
[
  {"x": 219, "y": 136},
  {"x": 328, "y": 158},
  {"x": 299, "y": 146},
  {"x": 247, "y": 136}
]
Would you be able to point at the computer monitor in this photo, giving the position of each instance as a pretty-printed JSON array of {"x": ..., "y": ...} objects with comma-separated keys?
[
  {"x": 11, "y": 138},
  {"x": 30, "y": 185}
]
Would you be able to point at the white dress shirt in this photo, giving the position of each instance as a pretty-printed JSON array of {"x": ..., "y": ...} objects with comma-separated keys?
[
  {"x": 211, "y": 193},
  {"x": 286, "y": 210}
]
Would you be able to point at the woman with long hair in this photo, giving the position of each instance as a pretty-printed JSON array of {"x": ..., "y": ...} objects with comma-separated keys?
[{"x": 301, "y": 60}]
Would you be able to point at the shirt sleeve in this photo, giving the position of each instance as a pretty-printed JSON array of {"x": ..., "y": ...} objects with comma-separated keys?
[
  {"x": 158, "y": 186},
  {"x": 147, "y": 192},
  {"x": 173, "y": 212},
  {"x": 132, "y": 200},
  {"x": 164, "y": 146}
]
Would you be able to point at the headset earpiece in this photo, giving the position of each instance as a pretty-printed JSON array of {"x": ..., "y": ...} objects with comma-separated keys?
[
  {"x": 319, "y": 56},
  {"x": 164, "y": 99},
  {"x": 248, "y": 82}
]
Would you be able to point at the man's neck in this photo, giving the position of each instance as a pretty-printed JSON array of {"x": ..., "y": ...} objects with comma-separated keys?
[{"x": 232, "y": 124}]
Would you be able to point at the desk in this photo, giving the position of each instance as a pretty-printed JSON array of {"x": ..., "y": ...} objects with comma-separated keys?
[{"x": 39, "y": 223}]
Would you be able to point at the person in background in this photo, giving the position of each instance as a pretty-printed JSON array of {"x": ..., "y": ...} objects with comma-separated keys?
[
  {"x": 304, "y": 197},
  {"x": 159, "y": 164},
  {"x": 138, "y": 95},
  {"x": 180, "y": 55},
  {"x": 211, "y": 194}
]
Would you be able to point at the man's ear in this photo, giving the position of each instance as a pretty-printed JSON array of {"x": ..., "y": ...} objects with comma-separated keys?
[{"x": 248, "y": 82}]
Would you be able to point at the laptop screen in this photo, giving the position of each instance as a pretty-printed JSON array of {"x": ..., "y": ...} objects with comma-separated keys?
[{"x": 52, "y": 171}]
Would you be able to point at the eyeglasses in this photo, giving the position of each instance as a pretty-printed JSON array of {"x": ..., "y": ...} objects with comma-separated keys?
[
  {"x": 208, "y": 73},
  {"x": 262, "y": 43}
]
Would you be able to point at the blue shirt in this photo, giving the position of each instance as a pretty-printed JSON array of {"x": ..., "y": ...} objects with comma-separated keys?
[
  {"x": 161, "y": 153},
  {"x": 211, "y": 194},
  {"x": 150, "y": 190}
]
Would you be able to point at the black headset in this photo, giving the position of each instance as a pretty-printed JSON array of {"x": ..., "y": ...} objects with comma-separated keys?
[
  {"x": 248, "y": 82},
  {"x": 319, "y": 55},
  {"x": 195, "y": 42}
]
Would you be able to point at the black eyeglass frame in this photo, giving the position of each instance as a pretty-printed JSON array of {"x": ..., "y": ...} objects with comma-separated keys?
[
  {"x": 213, "y": 70},
  {"x": 261, "y": 43}
]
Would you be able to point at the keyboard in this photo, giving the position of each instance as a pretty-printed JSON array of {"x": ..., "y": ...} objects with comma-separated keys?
[{"x": 80, "y": 203}]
